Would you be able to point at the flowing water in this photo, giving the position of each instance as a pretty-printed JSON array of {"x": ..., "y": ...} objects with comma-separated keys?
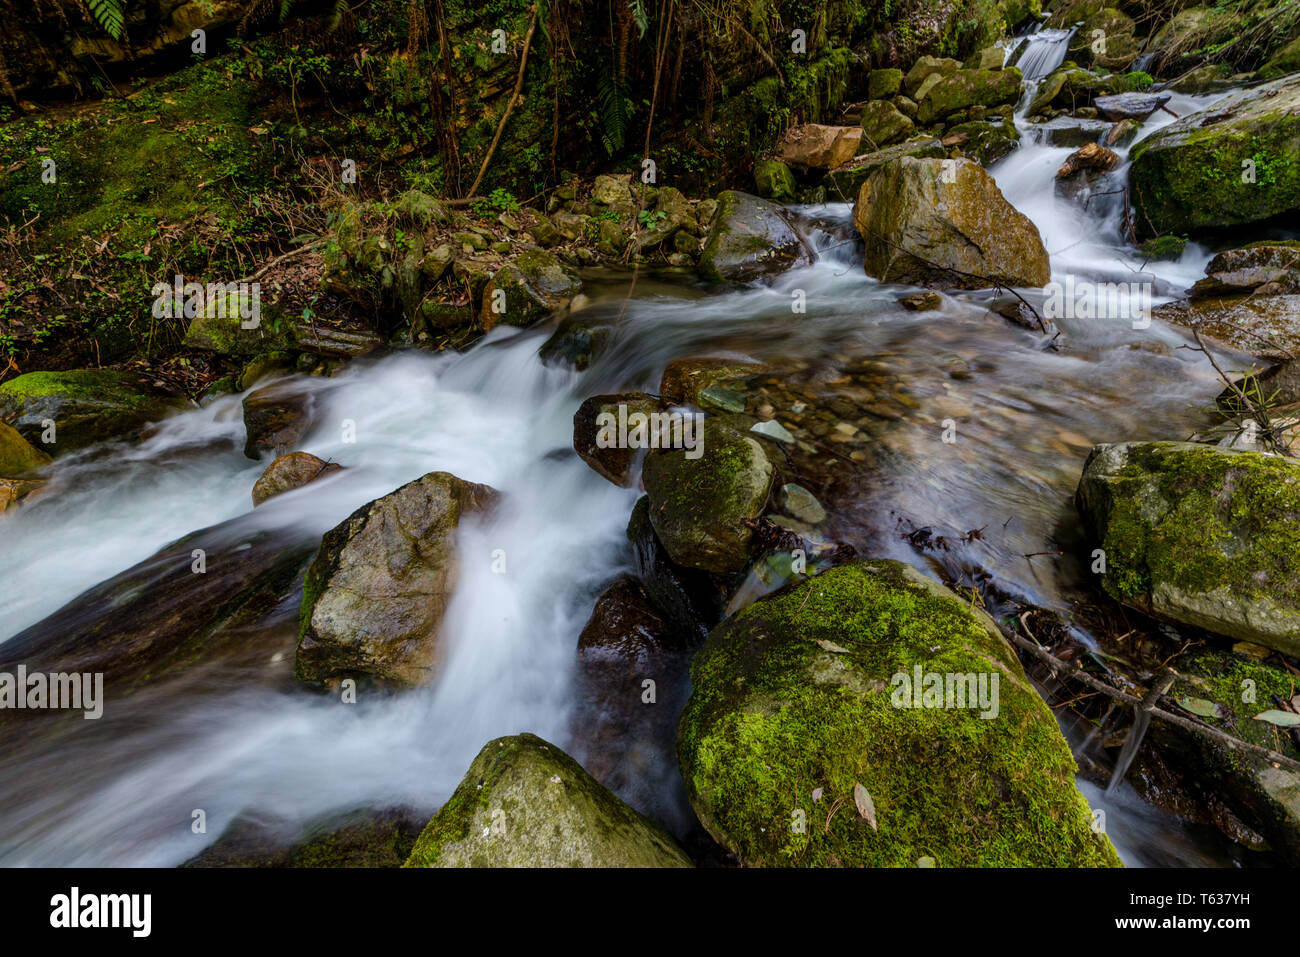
[{"x": 238, "y": 735}]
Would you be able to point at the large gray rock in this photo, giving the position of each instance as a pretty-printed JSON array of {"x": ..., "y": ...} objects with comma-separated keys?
[
  {"x": 525, "y": 803},
  {"x": 750, "y": 238},
  {"x": 945, "y": 223},
  {"x": 375, "y": 595},
  {"x": 1199, "y": 535}
]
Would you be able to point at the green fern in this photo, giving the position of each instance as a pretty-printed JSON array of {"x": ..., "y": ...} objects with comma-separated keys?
[
  {"x": 615, "y": 113},
  {"x": 639, "y": 16},
  {"x": 109, "y": 15}
]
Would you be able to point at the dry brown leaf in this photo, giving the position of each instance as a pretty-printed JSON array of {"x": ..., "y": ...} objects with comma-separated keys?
[{"x": 866, "y": 806}]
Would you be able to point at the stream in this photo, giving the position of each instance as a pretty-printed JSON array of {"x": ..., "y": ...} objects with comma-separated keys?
[{"x": 236, "y": 734}]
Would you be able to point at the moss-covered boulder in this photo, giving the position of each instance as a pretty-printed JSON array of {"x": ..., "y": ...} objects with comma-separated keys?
[
  {"x": 966, "y": 88},
  {"x": 359, "y": 838},
  {"x": 525, "y": 803},
  {"x": 774, "y": 180},
  {"x": 1234, "y": 162},
  {"x": 883, "y": 124},
  {"x": 1073, "y": 88},
  {"x": 806, "y": 744},
  {"x": 884, "y": 83},
  {"x": 86, "y": 406},
  {"x": 1200, "y": 535},
  {"x": 750, "y": 238},
  {"x": 700, "y": 500},
  {"x": 986, "y": 141},
  {"x": 1284, "y": 61},
  {"x": 17, "y": 455},
  {"x": 221, "y": 327},
  {"x": 945, "y": 223},
  {"x": 529, "y": 288},
  {"x": 926, "y": 67},
  {"x": 1106, "y": 37},
  {"x": 376, "y": 592}
]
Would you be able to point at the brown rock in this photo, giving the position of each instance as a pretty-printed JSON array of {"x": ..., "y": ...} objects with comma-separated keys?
[
  {"x": 290, "y": 471},
  {"x": 819, "y": 146}
]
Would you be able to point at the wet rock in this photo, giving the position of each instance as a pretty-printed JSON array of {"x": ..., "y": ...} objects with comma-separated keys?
[
  {"x": 1106, "y": 37},
  {"x": 277, "y": 416},
  {"x": 818, "y": 146},
  {"x": 579, "y": 338},
  {"x": 361, "y": 838},
  {"x": 13, "y": 491},
  {"x": 688, "y": 381},
  {"x": 750, "y": 238},
  {"x": 1199, "y": 535},
  {"x": 683, "y": 597},
  {"x": 987, "y": 142},
  {"x": 882, "y": 125},
  {"x": 1265, "y": 268},
  {"x": 1130, "y": 106},
  {"x": 86, "y": 407},
  {"x": 799, "y": 503},
  {"x": 626, "y": 740},
  {"x": 528, "y": 289},
  {"x": 375, "y": 594},
  {"x": 1264, "y": 326},
  {"x": 945, "y": 223},
  {"x": 336, "y": 342},
  {"x": 843, "y": 183},
  {"x": 921, "y": 302},
  {"x": 700, "y": 503},
  {"x": 964, "y": 89},
  {"x": 1074, "y": 89},
  {"x": 288, "y": 472},
  {"x": 819, "y": 663},
  {"x": 613, "y": 460},
  {"x": 17, "y": 455},
  {"x": 525, "y": 803},
  {"x": 1190, "y": 175}
]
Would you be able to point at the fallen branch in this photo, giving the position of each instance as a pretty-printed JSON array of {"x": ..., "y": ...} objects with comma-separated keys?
[{"x": 1063, "y": 669}]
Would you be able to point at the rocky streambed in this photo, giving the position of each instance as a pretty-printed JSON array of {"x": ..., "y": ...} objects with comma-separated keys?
[{"x": 685, "y": 563}]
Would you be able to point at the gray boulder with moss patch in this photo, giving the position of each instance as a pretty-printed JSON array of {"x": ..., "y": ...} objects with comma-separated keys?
[
  {"x": 796, "y": 702},
  {"x": 699, "y": 503},
  {"x": 966, "y": 88},
  {"x": 86, "y": 406},
  {"x": 1200, "y": 535},
  {"x": 374, "y": 596},
  {"x": 525, "y": 803},
  {"x": 750, "y": 238}
]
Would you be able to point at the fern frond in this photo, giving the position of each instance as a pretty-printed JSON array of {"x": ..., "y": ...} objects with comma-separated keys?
[{"x": 109, "y": 15}]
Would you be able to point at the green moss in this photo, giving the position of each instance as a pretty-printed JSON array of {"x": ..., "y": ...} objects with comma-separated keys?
[
  {"x": 792, "y": 695},
  {"x": 1179, "y": 514}
]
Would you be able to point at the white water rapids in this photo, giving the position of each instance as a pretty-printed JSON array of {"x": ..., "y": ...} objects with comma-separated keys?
[{"x": 497, "y": 415}]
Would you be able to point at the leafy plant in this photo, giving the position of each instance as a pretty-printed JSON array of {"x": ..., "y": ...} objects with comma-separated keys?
[{"x": 109, "y": 14}]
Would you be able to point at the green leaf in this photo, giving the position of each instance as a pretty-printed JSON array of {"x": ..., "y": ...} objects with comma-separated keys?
[
  {"x": 1199, "y": 706},
  {"x": 1283, "y": 719}
]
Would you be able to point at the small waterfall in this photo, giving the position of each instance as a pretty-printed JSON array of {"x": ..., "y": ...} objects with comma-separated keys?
[{"x": 1042, "y": 53}]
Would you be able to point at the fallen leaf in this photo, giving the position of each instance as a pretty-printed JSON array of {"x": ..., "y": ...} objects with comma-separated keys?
[
  {"x": 1283, "y": 719},
  {"x": 1252, "y": 650},
  {"x": 1199, "y": 706},
  {"x": 925, "y": 862},
  {"x": 866, "y": 806},
  {"x": 817, "y": 794},
  {"x": 831, "y": 647}
]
